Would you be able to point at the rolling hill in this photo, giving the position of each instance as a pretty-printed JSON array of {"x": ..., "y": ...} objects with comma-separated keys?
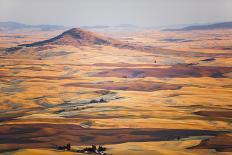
[{"x": 76, "y": 37}]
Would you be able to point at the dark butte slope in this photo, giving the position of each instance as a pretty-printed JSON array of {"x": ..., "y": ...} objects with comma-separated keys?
[
  {"x": 76, "y": 37},
  {"x": 79, "y": 37}
]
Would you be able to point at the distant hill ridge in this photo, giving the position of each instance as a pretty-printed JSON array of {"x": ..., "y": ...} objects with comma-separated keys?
[
  {"x": 224, "y": 25},
  {"x": 10, "y": 26}
]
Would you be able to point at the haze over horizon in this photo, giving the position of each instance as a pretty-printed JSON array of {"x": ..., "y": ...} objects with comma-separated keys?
[{"x": 115, "y": 12}]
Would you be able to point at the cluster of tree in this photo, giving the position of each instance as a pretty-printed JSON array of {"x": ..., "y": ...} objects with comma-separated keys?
[
  {"x": 65, "y": 147},
  {"x": 102, "y": 100},
  {"x": 94, "y": 149}
]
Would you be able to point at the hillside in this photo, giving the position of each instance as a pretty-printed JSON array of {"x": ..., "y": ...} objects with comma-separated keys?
[{"x": 76, "y": 37}]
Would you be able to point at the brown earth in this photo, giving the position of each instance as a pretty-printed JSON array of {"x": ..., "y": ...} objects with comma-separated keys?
[
  {"x": 221, "y": 143},
  {"x": 215, "y": 114},
  {"x": 178, "y": 71},
  {"x": 148, "y": 86},
  {"x": 18, "y": 136}
]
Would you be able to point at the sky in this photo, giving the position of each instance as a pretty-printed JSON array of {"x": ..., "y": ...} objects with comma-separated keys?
[{"x": 116, "y": 12}]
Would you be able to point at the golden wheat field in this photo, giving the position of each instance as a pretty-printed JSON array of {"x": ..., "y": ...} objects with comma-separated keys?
[{"x": 146, "y": 92}]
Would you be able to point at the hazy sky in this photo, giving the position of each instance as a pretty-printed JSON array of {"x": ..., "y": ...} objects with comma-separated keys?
[{"x": 115, "y": 12}]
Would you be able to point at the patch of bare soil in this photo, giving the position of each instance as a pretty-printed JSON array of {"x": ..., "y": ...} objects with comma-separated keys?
[
  {"x": 178, "y": 71},
  {"x": 17, "y": 136},
  {"x": 128, "y": 85},
  {"x": 215, "y": 114},
  {"x": 221, "y": 143}
]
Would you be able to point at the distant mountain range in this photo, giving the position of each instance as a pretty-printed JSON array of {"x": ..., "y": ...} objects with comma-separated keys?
[
  {"x": 104, "y": 26},
  {"x": 96, "y": 27},
  {"x": 224, "y": 25},
  {"x": 12, "y": 26}
]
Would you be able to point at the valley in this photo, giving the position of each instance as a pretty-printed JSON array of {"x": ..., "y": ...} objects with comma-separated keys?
[{"x": 139, "y": 92}]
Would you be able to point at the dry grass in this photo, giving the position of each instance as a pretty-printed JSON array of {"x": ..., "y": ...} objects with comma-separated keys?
[{"x": 40, "y": 87}]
